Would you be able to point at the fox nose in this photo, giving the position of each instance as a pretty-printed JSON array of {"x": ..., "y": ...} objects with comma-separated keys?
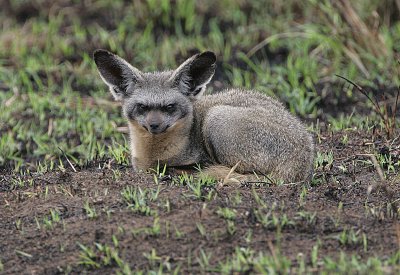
[
  {"x": 155, "y": 122},
  {"x": 154, "y": 126}
]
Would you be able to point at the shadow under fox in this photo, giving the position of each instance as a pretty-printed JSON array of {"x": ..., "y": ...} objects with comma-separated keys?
[{"x": 171, "y": 122}]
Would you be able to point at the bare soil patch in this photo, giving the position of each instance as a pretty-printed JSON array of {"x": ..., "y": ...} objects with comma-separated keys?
[{"x": 355, "y": 201}]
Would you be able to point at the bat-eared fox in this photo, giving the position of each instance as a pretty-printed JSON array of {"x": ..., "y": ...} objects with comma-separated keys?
[{"x": 171, "y": 121}]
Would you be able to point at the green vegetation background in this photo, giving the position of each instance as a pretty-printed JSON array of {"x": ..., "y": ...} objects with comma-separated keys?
[{"x": 53, "y": 102}]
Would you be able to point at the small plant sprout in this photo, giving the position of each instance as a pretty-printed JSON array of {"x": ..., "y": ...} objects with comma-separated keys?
[
  {"x": 102, "y": 255},
  {"x": 314, "y": 254},
  {"x": 20, "y": 182},
  {"x": 167, "y": 229},
  {"x": 342, "y": 168},
  {"x": 46, "y": 192},
  {"x": 303, "y": 196},
  {"x": 120, "y": 153},
  {"x": 249, "y": 236},
  {"x": 18, "y": 224},
  {"x": 339, "y": 212},
  {"x": 183, "y": 179},
  {"x": 138, "y": 199},
  {"x": 90, "y": 211},
  {"x": 178, "y": 234},
  {"x": 38, "y": 226},
  {"x": 270, "y": 220},
  {"x": 301, "y": 262},
  {"x": 202, "y": 188},
  {"x": 87, "y": 257},
  {"x": 50, "y": 221},
  {"x": 324, "y": 161},
  {"x": 167, "y": 205},
  {"x": 308, "y": 217},
  {"x": 204, "y": 259},
  {"x": 230, "y": 227},
  {"x": 153, "y": 231},
  {"x": 159, "y": 172},
  {"x": 365, "y": 242},
  {"x": 116, "y": 174},
  {"x": 351, "y": 237},
  {"x": 156, "y": 228},
  {"x": 115, "y": 241},
  {"x": 345, "y": 139},
  {"x": 236, "y": 199},
  {"x": 257, "y": 199},
  {"x": 226, "y": 213},
  {"x": 152, "y": 257},
  {"x": 201, "y": 229},
  {"x": 387, "y": 163}
]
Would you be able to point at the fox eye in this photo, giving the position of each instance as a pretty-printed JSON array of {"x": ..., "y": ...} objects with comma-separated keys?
[
  {"x": 141, "y": 108},
  {"x": 170, "y": 108}
]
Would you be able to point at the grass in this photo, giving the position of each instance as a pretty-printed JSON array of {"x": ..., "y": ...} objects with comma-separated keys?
[
  {"x": 81, "y": 120},
  {"x": 138, "y": 200},
  {"x": 102, "y": 255},
  {"x": 89, "y": 210},
  {"x": 57, "y": 116},
  {"x": 50, "y": 221}
]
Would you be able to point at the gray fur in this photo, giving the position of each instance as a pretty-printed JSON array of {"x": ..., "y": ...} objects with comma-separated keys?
[{"x": 180, "y": 126}]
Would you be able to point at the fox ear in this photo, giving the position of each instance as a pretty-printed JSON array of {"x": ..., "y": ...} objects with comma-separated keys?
[
  {"x": 195, "y": 73},
  {"x": 118, "y": 74}
]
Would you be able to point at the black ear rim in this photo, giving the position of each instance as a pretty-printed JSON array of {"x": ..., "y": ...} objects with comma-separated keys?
[
  {"x": 203, "y": 61},
  {"x": 208, "y": 54},
  {"x": 111, "y": 68},
  {"x": 101, "y": 54}
]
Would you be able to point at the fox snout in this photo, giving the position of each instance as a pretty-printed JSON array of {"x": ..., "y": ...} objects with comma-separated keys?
[{"x": 155, "y": 122}]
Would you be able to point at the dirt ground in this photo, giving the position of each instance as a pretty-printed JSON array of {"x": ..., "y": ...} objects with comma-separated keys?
[{"x": 355, "y": 200}]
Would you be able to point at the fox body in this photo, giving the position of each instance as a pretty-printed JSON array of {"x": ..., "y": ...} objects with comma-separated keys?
[{"x": 171, "y": 122}]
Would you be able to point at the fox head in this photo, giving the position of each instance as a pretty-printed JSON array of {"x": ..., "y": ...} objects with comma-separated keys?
[{"x": 156, "y": 102}]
